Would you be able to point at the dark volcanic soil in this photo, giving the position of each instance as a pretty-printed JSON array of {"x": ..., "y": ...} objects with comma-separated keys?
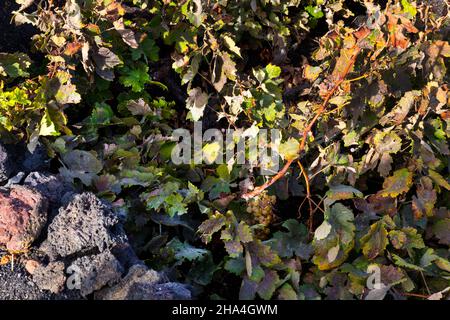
[
  {"x": 17, "y": 38},
  {"x": 17, "y": 285}
]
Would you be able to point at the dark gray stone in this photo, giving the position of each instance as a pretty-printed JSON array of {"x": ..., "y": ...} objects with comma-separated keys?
[
  {"x": 51, "y": 186},
  {"x": 7, "y": 163},
  {"x": 84, "y": 225},
  {"x": 142, "y": 283},
  {"x": 96, "y": 271},
  {"x": 37, "y": 160}
]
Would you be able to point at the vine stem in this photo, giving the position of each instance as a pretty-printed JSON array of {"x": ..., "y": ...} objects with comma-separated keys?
[
  {"x": 307, "y": 130},
  {"x": 308, "y": 196},
  {"x": 417, "y": 295}
]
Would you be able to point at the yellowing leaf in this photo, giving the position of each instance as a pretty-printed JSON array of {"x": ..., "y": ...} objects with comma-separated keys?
[
  {"x": 311, "y": 73},
  {"x": 387, "y": 142},
  {"x": 340, "y": 101},
  {"x": 438, "y": 179},
  {"x": 409, "y": 8},
  {"x": 400, "y": 182},
  {"x": 341, "y": 192},
  {"x": 229, "y": 42},
  {"x": 375, "y": 241},
  {"x": 47, "y": 126},
  {"x": 211, "y": 226},
  {"x": 289, "y": 150},
  {"x": 211, "y": 151}
]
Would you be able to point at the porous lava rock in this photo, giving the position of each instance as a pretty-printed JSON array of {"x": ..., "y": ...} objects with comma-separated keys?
[
  {"x": 85, "y": 224},
  {"x": 50, "y": 277},
  {"x": 93, "y": 272}
]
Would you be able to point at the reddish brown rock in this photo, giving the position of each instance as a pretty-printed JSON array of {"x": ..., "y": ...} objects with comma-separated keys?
[{"x": 23, "y": 214}]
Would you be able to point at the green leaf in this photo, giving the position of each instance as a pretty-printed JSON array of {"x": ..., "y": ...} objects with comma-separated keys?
[
  {"x": 268, "y": 285},
  {"x": 441, "y": 229},
  {"x": 147, "y": 48},
  {"x": 286, "y": 292},
  {"x": 185, "y": 251},
  {"x": 293, "y": 242},
  {"x": 136, "y": 78},
  {"x": 235, "y": 266},
  {"x": 81, "y": 164},
  {"x": 273, "y": 71},
  {"x": 315, "y": 12},
  {"x": 101, "y": 115},
  {"x": 405, "y": 264},
  {"x": 14, "y": 65}
]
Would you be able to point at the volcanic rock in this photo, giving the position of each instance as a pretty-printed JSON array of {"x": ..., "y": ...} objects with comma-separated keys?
[
  {"x": 96, "y": 271},
  {"x": 23, "y": 214},
  {"x": 51, "y": 186},
  {"x": 50, "y": 277},
  {"x": 7, "y": 164},
  {"x": 85, "y": 224},
  {"x": 142, "y": 283}
]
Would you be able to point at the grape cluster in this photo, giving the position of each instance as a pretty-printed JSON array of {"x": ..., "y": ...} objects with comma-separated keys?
[{"x": 261, "y": 209}]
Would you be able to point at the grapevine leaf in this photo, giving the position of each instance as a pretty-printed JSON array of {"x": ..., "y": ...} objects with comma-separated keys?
[
  {"x": 438, "y": 179},
  {"x": 196, "y": 103},
  {"x": 375, "y": 241},
  {"x": 340, "y": 238},
  {"x": 136, "y": 78},
  {"x": 441, "y": 229},
  {"x": 211, "y": 226},
  {"x": 400, "y": 182},
  {"x": 289, "y": 150},
  {"x": 185, "y": 251}
]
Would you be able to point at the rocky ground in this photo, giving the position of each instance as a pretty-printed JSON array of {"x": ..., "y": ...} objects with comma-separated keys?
[{"x": 58, "y": 243}]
